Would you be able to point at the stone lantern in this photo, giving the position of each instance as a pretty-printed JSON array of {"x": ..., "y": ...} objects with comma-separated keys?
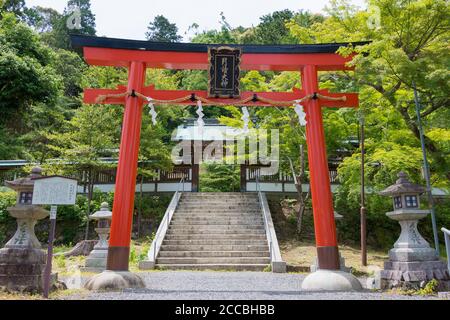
[
  {"x": 22, "y": 260},
  {"x": 96, "y": 261},
  {"x": 412, "y": 261}
]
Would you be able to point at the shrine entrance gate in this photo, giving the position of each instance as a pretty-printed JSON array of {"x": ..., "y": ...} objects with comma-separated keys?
[{"x": 308, "y": 60}]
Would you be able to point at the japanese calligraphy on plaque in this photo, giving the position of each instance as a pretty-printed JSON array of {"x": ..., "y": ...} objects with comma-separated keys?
[{"x": 224, "y": 71}]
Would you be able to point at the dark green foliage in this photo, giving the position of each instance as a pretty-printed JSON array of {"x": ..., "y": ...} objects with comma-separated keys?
[
  {"x": 14, "y": 6},
  {"x": 54, "y": 25},
  {"x": 272, "y": 29},
  {"x": 220, "y": 178},
  {"x": 7, "y": 224},
  {"x": 154, "y": 206},
  {"x": 26, "y": 74},
  {"x": 160, "y": 29},
  {"x": 87, "y": 17},
  {"x": 71, "y": 220}
]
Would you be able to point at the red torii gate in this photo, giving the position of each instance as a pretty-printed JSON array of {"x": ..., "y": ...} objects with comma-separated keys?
[{"x": 139, "y": 55}]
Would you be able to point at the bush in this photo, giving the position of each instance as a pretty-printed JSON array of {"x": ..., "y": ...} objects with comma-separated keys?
[
  {"x": 382, "y": 232},
  {"x": 220, "y": 178},
  {"x": 153, "y": 206},
  {"x": 7, "y": 223}
]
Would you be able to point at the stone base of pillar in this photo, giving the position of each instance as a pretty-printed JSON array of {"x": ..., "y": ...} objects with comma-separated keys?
[
  {"x": 412, "y": 275},
  {"x": 331, "y": 280},
  {"x": 21, "y": 270},
  {"x": 114, "y": 280}
]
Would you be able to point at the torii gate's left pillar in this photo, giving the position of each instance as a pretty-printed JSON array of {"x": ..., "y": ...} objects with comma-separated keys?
[{"x": 122, "y": 214}]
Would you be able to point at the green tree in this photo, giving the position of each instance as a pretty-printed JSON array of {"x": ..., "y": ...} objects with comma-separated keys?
[
  {"x": 91, "y": 134},
  {"x": 408, "y": 45},
  {"x": 43, "y": 19},
  {"x": 14, "y": 6},
  {"x": 220, "y": 178},
  {"x": 154, "y": 154},
  {"x": 272, "y": 28},
  {"x": 26, "y": 72},
  {"x": 59, "y": 36},
  {"x": 160, "y": 29}
]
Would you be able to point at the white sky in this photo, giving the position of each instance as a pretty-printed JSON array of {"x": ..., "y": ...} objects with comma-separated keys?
[{"x": 129, "y": 18}]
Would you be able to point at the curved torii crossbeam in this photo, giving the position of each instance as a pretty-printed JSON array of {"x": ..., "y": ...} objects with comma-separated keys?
[{"x": 139, "y": 55}]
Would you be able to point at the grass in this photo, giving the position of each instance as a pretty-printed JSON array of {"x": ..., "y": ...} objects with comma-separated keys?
[
  {"x": 430, "y": 289},
  {"x": 303, "y": 253},
  {"x": 300, "y": 252},
  {"x": 19, "y": 296}
]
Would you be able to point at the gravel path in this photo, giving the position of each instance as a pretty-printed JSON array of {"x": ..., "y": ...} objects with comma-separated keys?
[{"x": 174, "y": 285}]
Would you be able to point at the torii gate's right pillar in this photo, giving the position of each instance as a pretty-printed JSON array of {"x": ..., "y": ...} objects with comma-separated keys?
[{"x": 322, "y": 200}]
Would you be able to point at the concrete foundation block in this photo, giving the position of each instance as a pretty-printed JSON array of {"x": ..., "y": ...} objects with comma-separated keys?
[
  {"x": 146, "y": 265},
  {"x": 279, "y": 266}
]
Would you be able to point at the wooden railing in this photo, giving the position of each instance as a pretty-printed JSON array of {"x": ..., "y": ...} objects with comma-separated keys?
[
  {"x": 252, "y": 172},
  {"x": 108, "y": 176}
]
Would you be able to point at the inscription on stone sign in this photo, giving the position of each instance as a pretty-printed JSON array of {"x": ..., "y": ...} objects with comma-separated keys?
[{"x": 55, "y": 190}]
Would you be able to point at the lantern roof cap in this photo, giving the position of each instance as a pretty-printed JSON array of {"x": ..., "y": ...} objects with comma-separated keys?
[
  {"x": 27, "y": 181},
  {"x": 402, "y": 186},
  {"x": 103, "y": 213}
]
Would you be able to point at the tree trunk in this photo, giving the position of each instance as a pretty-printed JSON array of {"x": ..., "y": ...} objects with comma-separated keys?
[
  {"x": 140, "y": 207},
  {"x": 298, "y": 186},
  {"x": 89, "y": 198}
]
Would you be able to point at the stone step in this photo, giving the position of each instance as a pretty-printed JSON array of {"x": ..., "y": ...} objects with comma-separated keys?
[
  {"x": 220, "y": 194},
  {"x": 216, "y": 231},
  {"x": 215, "y": 236},
  {"x": 224, "y": 204},
  {"x": 214, "y": 254},
  {"x": 216, "y": 223},
  {"x": 209, "y": 247},
  {"x": 208, "y": 217},
  {"x": 243, "y": 200},
  {"x": 218, "y": 209},
  {"x": 216, "y": 216},
  {"x": 215, "y": 242},
  {"x": 221, "y": 232},
  {"x": 213, "y": 260},
  {"x": 211, "y": 212},
  {"x": 247, "y": 202},
  {"x": 216, "y": 267},
  {"x": 206, "y": 227}
]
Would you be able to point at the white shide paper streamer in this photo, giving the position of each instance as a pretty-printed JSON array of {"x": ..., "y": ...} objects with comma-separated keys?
[
  {"x": 245, "y": 118},
  {"x": 153, "y": 113},
  {"x": 200, "y": 114},
  {"x": 301, "y": 114}
]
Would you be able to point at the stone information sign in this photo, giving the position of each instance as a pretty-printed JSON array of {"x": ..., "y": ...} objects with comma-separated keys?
[{"x": 54, "y": 191}]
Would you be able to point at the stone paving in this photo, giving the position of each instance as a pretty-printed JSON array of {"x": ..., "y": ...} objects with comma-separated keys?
[{"x": 195, "y": 285}]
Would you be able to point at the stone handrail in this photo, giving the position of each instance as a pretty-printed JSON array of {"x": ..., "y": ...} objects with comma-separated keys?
[
  {"x": 277, "y": 263},
  {"x": 162, "y": 230},
  {"x": 447, "y": 245}
]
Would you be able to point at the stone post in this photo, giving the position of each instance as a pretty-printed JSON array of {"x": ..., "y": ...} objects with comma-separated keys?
[{"x": 96, "y": 261}]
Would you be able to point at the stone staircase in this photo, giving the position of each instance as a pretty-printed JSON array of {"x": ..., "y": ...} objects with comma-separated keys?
[{"x": 216, "y": 231}]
